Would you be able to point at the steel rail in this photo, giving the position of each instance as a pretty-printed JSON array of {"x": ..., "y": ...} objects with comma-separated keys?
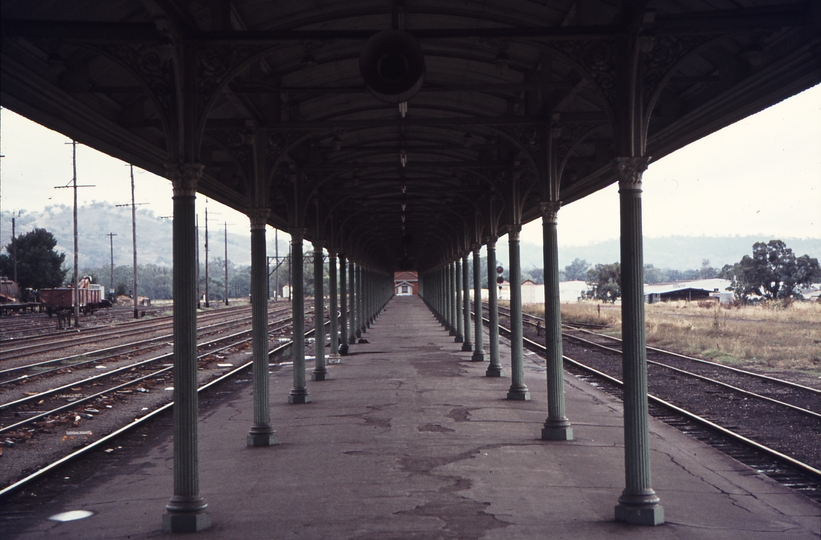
[
  {"x": 67, "y": 359},
  {"x": 123, "y": 385},
  {"x": 804, "y": 467}
]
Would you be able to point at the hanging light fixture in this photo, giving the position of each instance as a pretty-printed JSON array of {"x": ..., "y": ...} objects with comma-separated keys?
[{"x": 403, "y": 157}]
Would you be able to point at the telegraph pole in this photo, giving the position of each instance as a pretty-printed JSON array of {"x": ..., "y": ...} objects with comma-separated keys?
[
  {"x": 14, "y": 248},
  {"x": 226, "y": 263},
  {"x": 73, "y": 183},
  {"x": 111, "y": 236},
  {"x": 133, "y": 205},
  {"x": 206, "y": 257}
]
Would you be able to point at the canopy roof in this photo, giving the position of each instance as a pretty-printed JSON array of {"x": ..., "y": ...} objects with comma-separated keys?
[{"x": 523, "y": 102}]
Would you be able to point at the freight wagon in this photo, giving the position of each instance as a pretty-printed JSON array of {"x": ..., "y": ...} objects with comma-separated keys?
[{"x": 61, "y": 299}]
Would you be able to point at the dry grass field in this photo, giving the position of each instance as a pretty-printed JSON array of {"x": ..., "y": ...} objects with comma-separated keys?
[{"x": 766, "y": 337}]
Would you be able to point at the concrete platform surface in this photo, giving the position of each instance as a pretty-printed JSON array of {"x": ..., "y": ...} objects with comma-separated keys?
[{"x": 409, "y": 440}]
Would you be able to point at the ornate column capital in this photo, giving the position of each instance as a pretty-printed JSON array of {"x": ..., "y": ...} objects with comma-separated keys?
[
  {"x": 317, "y": 244},
  {"x": 513, "y": 233},
  {"x": 490, "y": 242},
  {"x": 332, "y": 251},
  {"x": 550, "y": 210},
  {"x": 297, "y": 234},
  {"x": 258, "y": 217},
  {"x": 184, "y": 178},
  {"x": 629, "y": 171},
  {"x": 476, "y": 247}
]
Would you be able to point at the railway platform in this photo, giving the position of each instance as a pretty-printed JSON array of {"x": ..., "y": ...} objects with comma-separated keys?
[{"x": 409, "y": 440}]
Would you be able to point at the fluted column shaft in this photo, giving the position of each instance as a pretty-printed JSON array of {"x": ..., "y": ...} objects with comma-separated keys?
[
  {"x": 261, "y": 433},
  {"x": 460, "y": 321},
  {"x": 186, "y": 509},
  {"x": 463, "y": 310},
  {"x": 333, "y": 294},
  {"x": 343, "y": 306},
  {"x": 320, "y": 372},
  {"x": 299, "y": 393},
  {"x": 638, "y": 502},
  {"x": 556, "y": 426},
  {"x": 518, "y": 389},
  {"x": 495, "y": 367},
  {"x": 478, "y": 333},
  {"x": 352, "y": 321}
]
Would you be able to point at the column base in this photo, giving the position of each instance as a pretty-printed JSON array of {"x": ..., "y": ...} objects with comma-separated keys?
[
  {"x": 478, "y": 356},
  {"x": 185, "y": 514},
  {"x": 640, "y": 515},
  {"x": 358, "y": 333},
  {"x": 451, "y": 332},
  {"x": 494, "y": 371},
  {"x": 352, "y": 340},
  {"x": 518, "y": 394},
  {"x": 262, "y": 436},
  {"x": 557, "y": 433},
  {"x": 467, "y": 346},
  {"x": 186, "y": 523},
  {"x": 298, "y": 397},
  {"x": 334, "y": 359},
  {"x": 458, "y": 339},
  {"x": 343, "y": 349},
  {"x": 320, "y": 375}
]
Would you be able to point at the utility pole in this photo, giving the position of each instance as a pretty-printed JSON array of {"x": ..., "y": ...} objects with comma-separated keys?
[
  {"x": 76, "y": 294},
  {"x": 111, "y": 236},
  {"x": 206, "y": 255},
  {"x": 226, "y": 263},
  {"x": 207, "y": 303},
  {"x": 14, "y": 248},
  {"x": 134, "y": 243},
  {"x": 134, "y": 240}
]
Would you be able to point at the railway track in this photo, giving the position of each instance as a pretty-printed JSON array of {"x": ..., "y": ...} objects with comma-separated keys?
[
  {"x": 16, "y": 348},
  {"x": 83, "y": 409},
  {"x": 25, "y": 371},
  {"x": 777, "y": 437}
]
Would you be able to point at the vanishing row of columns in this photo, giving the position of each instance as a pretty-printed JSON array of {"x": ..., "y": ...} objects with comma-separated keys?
[
  {"x": 354, "y": 303},
  {"x": 446, "y": 290},
  {"x": 362, "y": 294}
]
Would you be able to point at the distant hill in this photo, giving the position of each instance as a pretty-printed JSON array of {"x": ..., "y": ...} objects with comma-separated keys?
[
  {"x": 154, "y": 235},
  {"x": 154, "y": 242},
  {"x": 675, "y": 252}
]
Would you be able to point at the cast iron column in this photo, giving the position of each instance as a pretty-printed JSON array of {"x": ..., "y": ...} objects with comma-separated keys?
[
  {"x": 460, "y": 321},
  {"x": 343, "y": 306},
  {"x": 352, "y": 287},
  {"x": 450, "y": 299},
  {"x": 495, "y": 367},
  {"x": 185, "y": 512},
  {"x": 478, "y": 339},
  {"x": 360, "y": 300},
  {"x": 638, "y": 503},
  {"x": 261, "y": 433},
  {"x": 320, "y": 372},
  {"x": 464, "y": 309},
  {"x": 299, "y": 393},
  {"x": 557, "y": 426},
  {"x": 334, "y": 308},
  {"x": 518, "y": 390}
]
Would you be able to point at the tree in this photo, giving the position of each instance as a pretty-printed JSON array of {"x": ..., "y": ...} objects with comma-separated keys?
[
  {"x": 772, "y": 272},
  {"x": 605, "y": 282},
  {"x": 38, "y": 265},
  {"x": 576, "y": 271}
]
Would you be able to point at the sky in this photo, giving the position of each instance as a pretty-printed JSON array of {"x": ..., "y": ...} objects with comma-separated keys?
[{"x": 761, "y": 175}]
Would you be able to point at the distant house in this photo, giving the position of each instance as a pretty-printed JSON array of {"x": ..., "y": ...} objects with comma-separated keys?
[
  {"x": 689, "y": 291},
  {"x": 532, "y": 293},
  {"x": 406, "y": 283}
]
